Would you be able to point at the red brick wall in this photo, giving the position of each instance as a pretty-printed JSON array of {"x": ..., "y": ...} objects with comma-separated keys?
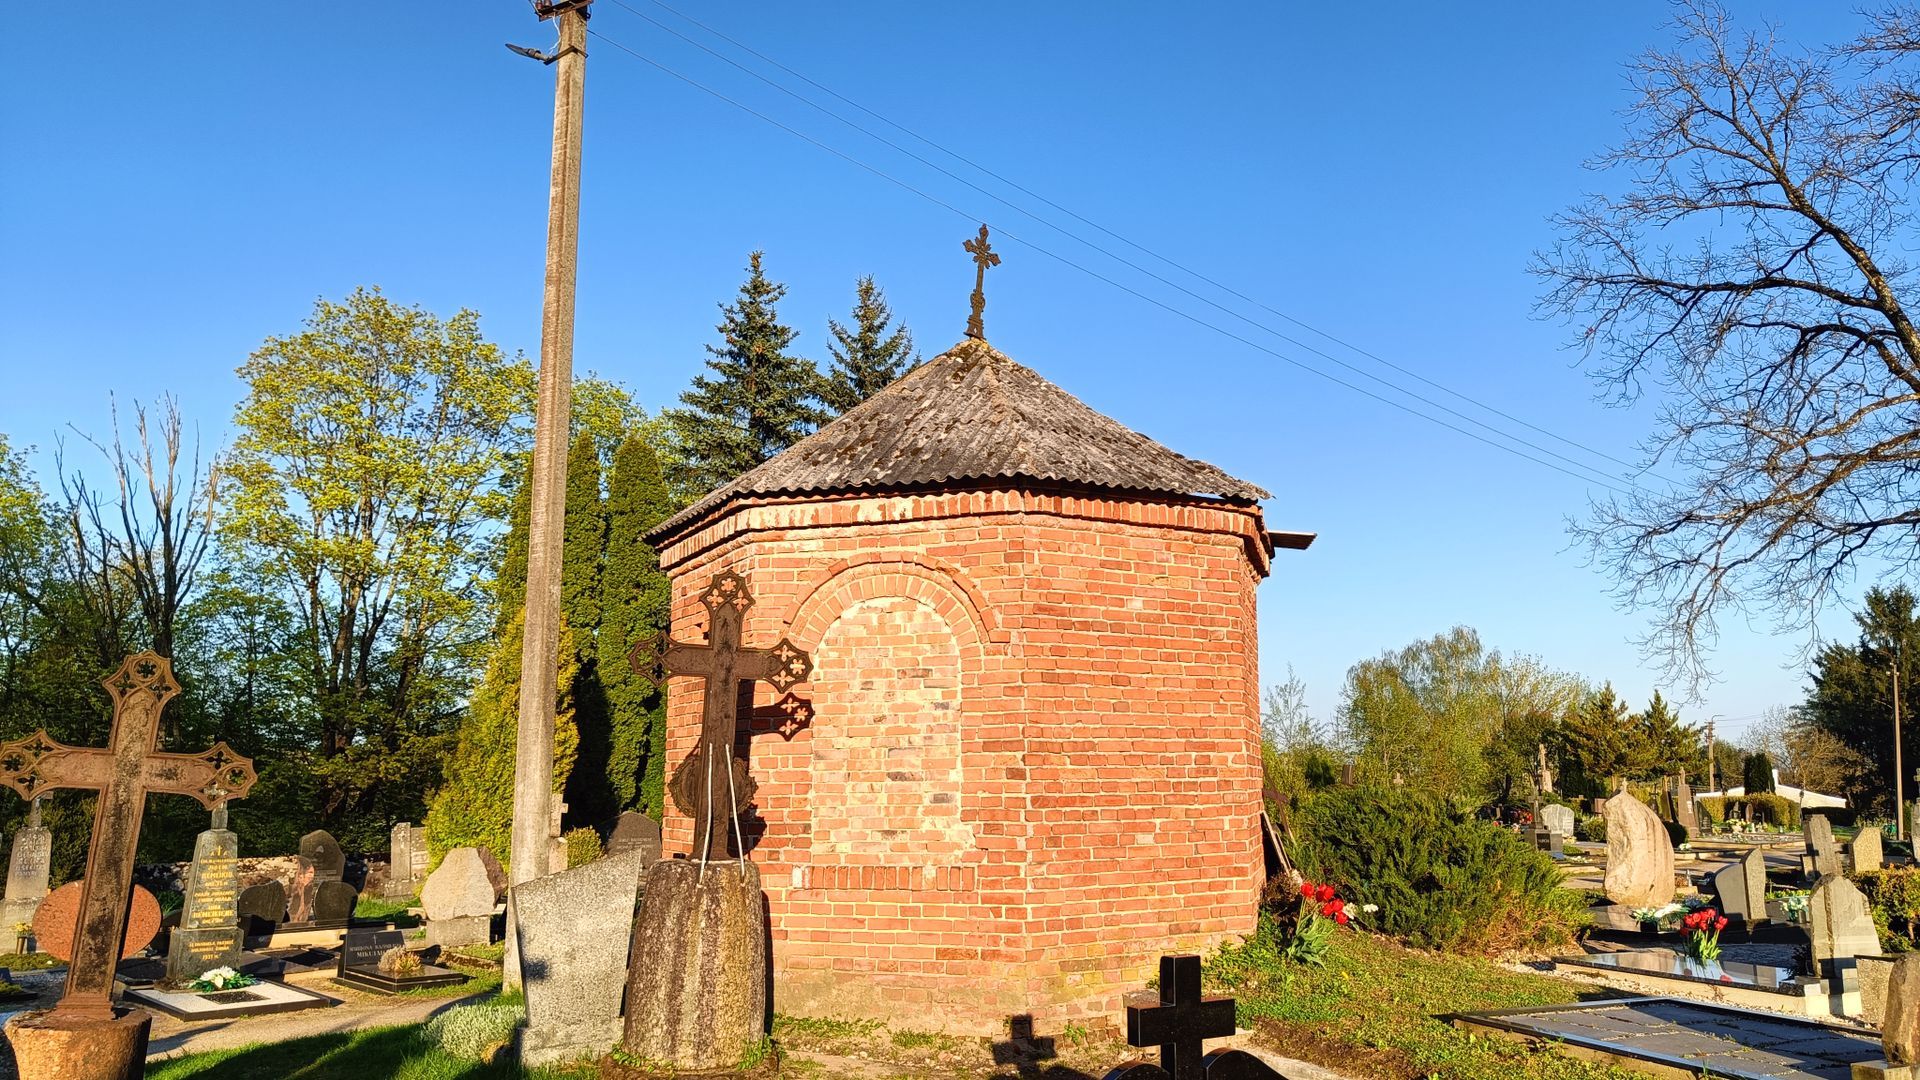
[{"x": 1033, "y": 764}]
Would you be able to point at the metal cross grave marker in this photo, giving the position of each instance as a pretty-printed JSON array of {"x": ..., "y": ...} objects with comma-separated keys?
[
  {"x": 1179, "y": 1021},
  {"x": 123, "y": 774},
  {"x": 706, "y": 781}
]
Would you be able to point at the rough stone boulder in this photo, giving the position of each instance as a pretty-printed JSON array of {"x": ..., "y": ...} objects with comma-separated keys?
[
  {"x": 1639, "y": 854},
  {"x": 467, "y": 882}
]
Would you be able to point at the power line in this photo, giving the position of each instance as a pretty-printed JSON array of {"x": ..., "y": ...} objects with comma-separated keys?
[
  {"x": 1591, "y": 475},
  {"x": 1637, "y": 470}
]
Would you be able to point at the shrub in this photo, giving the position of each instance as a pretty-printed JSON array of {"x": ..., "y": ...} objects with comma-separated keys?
[
  {"x": 1894, "y": 898},
  {"x": 583, "y": 846},
  {"x": 474, "y": 1032},
  {"x": 1676, "y": 833},
  {"x": 1441, "y": 879},
  {"x": 1590, "y": 827},
  {"x": 1713, "y": 809}
]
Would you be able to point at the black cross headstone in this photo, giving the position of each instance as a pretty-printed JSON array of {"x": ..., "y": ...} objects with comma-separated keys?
[{"x": 1179, "y": 1021}]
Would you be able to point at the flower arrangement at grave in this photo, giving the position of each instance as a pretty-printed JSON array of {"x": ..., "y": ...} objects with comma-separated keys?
[
  {"x": 398, "y": 963},
  {"x": 1703, "y": 933},
  {"x": 1319, "y": 914},
  {"x": 22, "y": 937},
  {"x": 214, "y": 980},
  {"x": 1793, "y": 904}
]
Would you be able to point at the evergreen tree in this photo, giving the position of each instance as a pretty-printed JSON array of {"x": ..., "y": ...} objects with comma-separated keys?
[
  {"x": 759, "y": 399},
  {"x": 869, "y": 356},
  {"x": 584, "y": 545},
  {"x": 1758, "y": 773},
  {"x": 1594, "y": 743},
  {"x": 1851, "y": 697},
  {"x": 1662, "y": 745},
  {"x": 638, "y": 599},
  {"x": 474, "y": 808}
]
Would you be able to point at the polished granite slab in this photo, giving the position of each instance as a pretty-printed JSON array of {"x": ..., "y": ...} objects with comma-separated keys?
[{"x": 1668, "y": 964}]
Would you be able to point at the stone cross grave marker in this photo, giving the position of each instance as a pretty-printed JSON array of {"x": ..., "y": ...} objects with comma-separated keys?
[
  {"x": 27, "y": 868},
  {"x": 1179, "y": 1021},
  {"x": 1543, "y": 776},
  {"x": 711, "y": 780},
  {"x": 123, "y": 774},
  {"x": 209, "y": 932}
]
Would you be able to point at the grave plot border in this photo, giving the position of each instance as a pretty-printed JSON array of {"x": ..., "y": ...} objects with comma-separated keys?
[
  {"x": 375, "y": 983},
  {"x": 160, "y": 1001},
  {"x": 1500, "y": 1022}
]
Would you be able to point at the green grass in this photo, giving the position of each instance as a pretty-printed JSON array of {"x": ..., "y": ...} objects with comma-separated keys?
[
  {"x": 389, "y": 1053},
  {"x": 393, "y": 911},
  {"x": 1374, "y": 1010}
]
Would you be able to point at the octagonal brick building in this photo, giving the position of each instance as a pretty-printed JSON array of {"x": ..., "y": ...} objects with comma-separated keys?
[{"x": 1027, "y": 763}]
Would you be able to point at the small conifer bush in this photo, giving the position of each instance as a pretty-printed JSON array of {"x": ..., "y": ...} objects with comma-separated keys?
[
  {"x": 475, "y": 1032},
  {"x": 1441, "y": 878}
]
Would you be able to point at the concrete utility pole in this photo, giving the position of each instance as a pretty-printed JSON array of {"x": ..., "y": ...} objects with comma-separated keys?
[
  {"x": 531, "y": 838},
  {"x": 1713, "y": 781}
]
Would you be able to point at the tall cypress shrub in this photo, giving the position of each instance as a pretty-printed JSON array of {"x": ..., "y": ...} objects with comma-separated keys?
[{"x": 636, "y": 604}]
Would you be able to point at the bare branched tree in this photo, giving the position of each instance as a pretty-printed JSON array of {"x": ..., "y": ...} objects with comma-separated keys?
[
  {"x": 1755, "y": 269},
  {"x": 135, "y": 551}
]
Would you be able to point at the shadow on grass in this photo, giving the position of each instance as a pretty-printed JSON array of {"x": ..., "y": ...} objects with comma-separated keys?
[{"x": 395, "y": 1053}]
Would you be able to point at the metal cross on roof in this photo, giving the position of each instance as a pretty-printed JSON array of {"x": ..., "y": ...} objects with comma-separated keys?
[
  {"x": 701, "y": 790},
  {"x": 123, "y": 773},
  {"x": 983, "y": 257}
]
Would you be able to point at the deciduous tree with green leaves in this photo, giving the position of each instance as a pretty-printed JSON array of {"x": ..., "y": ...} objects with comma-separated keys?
[{"x": 364, "y": 485}]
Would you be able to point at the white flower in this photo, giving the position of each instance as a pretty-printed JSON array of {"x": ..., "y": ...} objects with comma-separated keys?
[
  {"x": 218, "y": 977},
  {"x": 1369, "y": 908}
]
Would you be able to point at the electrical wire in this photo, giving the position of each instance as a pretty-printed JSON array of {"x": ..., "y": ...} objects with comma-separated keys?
[
  {"x": 1588, "y": 475},
  {"x": 1636, "y": 469}
]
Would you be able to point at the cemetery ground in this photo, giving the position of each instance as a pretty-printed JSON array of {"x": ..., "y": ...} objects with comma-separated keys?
[{"x": 1374, "y": 1009}]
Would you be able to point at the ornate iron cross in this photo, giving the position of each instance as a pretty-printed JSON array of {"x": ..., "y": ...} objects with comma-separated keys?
[
  {"x": 1179, "y": 1022},
  {"x": 701, "y": 789},
  {"x": 123, "y": 774},
  {"x": 983, "y": 257}
]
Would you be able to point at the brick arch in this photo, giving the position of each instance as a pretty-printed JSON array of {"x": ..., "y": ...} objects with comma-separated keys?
[{"x": 882, "y": 574}]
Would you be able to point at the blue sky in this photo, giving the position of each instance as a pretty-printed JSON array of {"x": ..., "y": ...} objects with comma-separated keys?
[{"x": 200, "y": 175}]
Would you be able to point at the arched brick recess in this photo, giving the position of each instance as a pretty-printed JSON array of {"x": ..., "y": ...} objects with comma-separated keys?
[
  {"x": 886, "y": 779},
  {"x": 865, "y": 577}
]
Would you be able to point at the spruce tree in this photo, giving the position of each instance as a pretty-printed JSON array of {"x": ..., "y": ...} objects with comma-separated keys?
[
  {"x": 869, "y": 356},
  {"x": 759, "y": 399},
  {"x": 1662, "y": 745},
  {"x": 637, "y": 602}
]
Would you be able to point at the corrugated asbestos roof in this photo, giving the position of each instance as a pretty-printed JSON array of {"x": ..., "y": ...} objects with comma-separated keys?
[{"x": 972, "y": 413}]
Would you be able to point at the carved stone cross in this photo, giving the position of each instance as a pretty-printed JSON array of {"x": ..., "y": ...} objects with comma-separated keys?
[
  {"x": 706, "y": 784},
  {"x": 123, "y": 774},
  {"x": 983, "y": 257}
]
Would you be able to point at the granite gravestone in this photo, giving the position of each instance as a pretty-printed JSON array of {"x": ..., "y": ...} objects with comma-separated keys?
[
  {"x": 1823, "y": 853},
  {"x": 1557, "y": 818},
  {"x": 27, "y": 868},
  {"x": 575, "y": 928},
  {"x": 635, "y": 832},
  {"x": 460, "y": 896},
  {"x": 261, "y": 909},
  {"x": 363, "y": 949},
  {"x": 1868, "y": 853},
  {"x": 1840, "y": 927},
  {"x": 209, "y": 932},
  {"x": 1684, "y": 813},
  {"x": 1639, "y": 854},
  {"x": 319, "y": 899},
  {"x": 406, "y": 860},
  {"x": 1740, "y": 888},
  {"x": 361, "y": 967}
]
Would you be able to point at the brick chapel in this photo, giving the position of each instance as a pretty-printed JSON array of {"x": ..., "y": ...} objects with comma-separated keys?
[{"x": 1027, "y": 762}]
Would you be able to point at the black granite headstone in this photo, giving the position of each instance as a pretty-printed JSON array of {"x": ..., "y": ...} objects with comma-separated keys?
[
  {"x": 363, "y": 949},
  {"x": 333, "y": 901},
  {"x": 261, "y": 908},
  {"x": 323, "y": 851}
]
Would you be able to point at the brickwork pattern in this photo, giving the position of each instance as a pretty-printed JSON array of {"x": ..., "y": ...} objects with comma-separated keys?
[{"x": 1076, "y": 674}]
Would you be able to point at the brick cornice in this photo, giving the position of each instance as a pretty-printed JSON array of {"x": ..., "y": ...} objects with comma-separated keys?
[{"x": 745, "y": 516}]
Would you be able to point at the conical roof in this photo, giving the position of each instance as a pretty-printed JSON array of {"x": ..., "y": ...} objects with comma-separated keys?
[{"x": 973, "y": 414}]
